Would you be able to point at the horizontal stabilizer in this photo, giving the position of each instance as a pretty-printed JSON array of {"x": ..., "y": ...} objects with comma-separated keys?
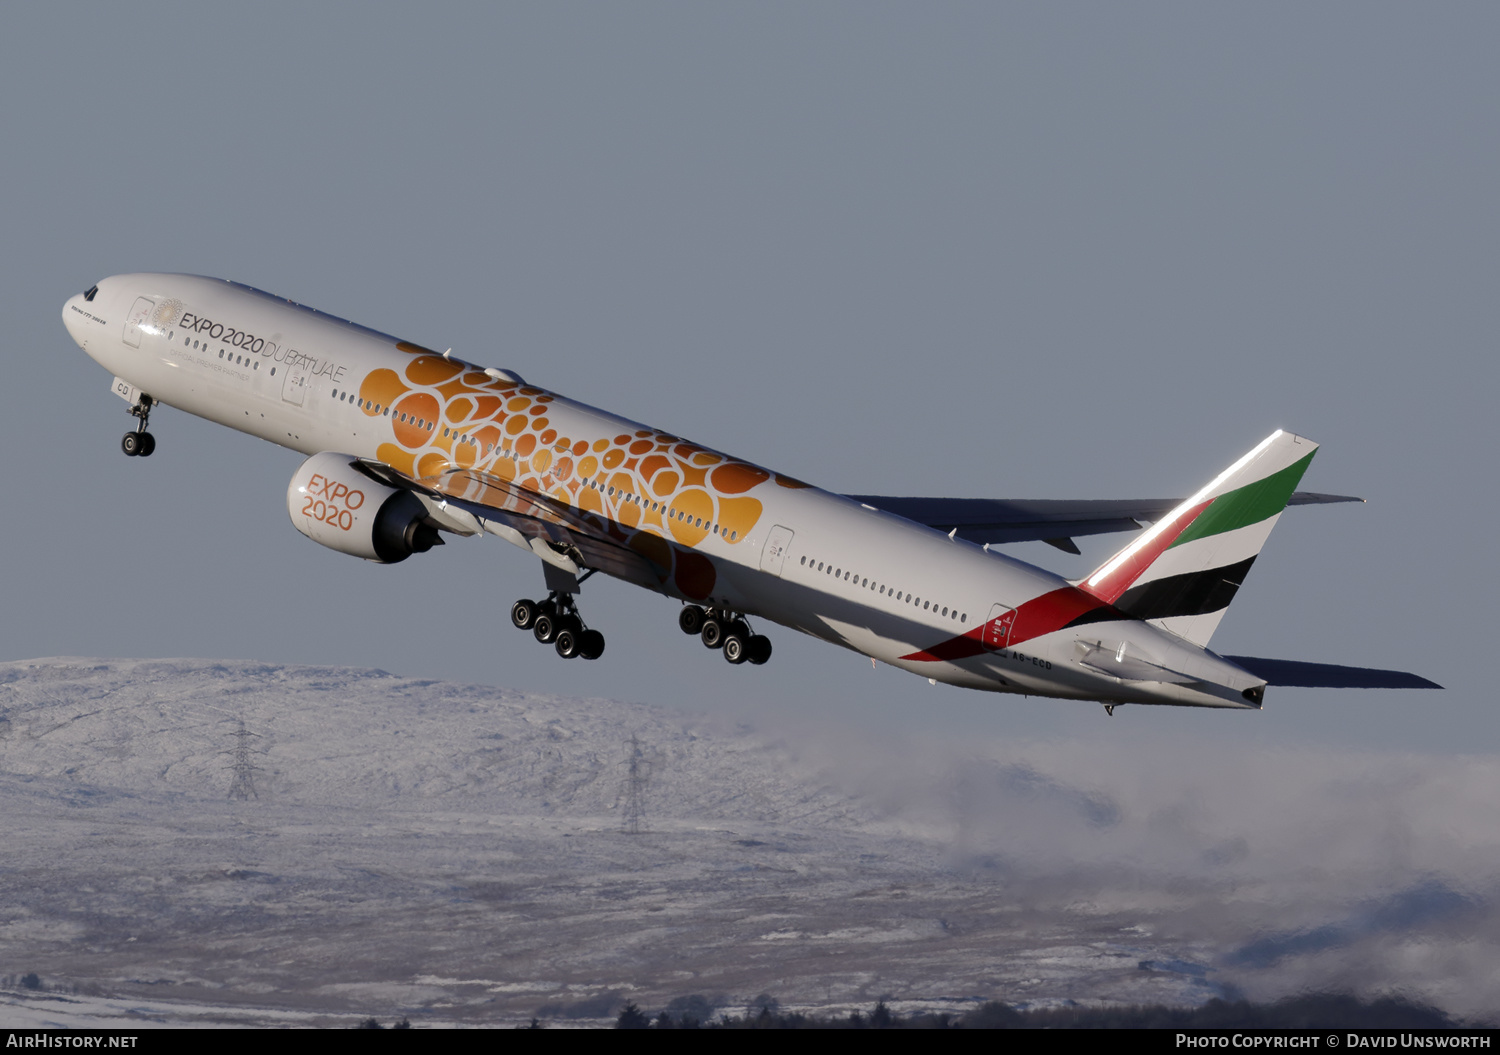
[
  {"x": 1313, "y": 498},
  {"x": 1328, "y": 675}
]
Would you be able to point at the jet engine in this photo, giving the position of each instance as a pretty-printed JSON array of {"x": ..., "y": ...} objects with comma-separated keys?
[{"x": 336, "y": 505}]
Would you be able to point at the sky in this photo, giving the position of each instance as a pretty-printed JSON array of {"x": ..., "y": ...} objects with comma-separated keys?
[{"x": 1026, "y": 251}]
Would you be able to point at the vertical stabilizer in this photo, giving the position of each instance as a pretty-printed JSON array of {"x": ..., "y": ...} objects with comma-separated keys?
[{"x": 1182, "y": 572}]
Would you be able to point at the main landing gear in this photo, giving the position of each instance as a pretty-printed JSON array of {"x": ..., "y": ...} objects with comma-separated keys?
[
  {"x": 556, "y": 622},
  {"x": 140, "y": 443},
  {"x": 717, "y": 628}
]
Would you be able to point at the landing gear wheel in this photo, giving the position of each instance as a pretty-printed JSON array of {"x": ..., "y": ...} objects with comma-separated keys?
[
  {"x": 545, "y": 627},
  {"x": 591, "y": 644},
  {"x": 555, "y": 622},
  {"x": 568, "y": 642},
  {"x": 736, "y": 650},
  {"x": 523, "y": 614},
  {"x": 140, "y": 442},
  {"x": 758, "y": 649},
  {"x": 691, "y": 619},
  {"x": 712, "y": 633}
]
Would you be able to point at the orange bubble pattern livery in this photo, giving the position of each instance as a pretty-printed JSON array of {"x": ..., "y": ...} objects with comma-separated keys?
[{"x": 649, "y": 490}]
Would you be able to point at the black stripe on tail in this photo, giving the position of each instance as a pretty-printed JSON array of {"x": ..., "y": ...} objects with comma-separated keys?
[{"x": 1192, "y": 593}]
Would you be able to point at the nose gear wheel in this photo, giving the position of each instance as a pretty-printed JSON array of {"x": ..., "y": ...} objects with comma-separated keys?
[{"x": 140, "y": 443}]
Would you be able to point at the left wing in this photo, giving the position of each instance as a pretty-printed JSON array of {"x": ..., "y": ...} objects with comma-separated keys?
[
  {"x": 555, "y": 531},
  {"x": 1053, "y": 521}
]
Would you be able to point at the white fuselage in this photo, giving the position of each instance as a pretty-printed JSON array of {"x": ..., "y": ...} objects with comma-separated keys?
[{"x": 892, "y": 589}]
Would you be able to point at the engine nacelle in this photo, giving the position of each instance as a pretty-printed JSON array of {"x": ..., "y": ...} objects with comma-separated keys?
[{"x": 336, "y": 505}]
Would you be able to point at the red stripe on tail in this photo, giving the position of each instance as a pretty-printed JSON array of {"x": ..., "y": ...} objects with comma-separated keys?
[{"x": 1119, "y": 578}]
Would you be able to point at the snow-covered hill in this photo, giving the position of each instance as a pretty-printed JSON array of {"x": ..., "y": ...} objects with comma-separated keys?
[
  {"x": 192, "y": 841},
  {"x": 457, "y": 852}
]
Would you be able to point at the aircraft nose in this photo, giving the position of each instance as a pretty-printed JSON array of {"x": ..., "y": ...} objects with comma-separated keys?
[
  {"x": 77, "y": 314},
  {"x": 70, "y": 314}
]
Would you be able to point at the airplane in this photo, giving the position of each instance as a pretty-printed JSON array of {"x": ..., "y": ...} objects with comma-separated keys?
[{"x": 406, "y": 444}]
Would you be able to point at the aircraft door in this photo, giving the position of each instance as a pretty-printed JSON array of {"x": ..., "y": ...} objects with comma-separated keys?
[
  {"x": 774, "y": 555},
  {"x": 294, "y": 388},
  {"x": 997, "y": 631},
  {"x": 139, "y": 313}
]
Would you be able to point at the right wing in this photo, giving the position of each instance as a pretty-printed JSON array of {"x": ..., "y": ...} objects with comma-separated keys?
[{"x": 1053, "y": 521}]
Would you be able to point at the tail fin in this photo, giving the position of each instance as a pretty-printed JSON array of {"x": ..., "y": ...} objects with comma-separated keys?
[{"x": 1182, "y": 572}]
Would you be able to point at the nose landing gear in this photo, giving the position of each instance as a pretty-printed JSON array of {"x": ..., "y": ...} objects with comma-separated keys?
[
  {"x": 140, "y": 443},
  {"x": 556, "y": 622},
  {"x": 721, "y": 629}
]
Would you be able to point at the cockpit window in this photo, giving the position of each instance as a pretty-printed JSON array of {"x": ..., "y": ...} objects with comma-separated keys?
[{"x": 88, "y": 294}]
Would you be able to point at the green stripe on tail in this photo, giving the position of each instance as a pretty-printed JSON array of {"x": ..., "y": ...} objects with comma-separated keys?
[{"x": 1246, "y": 505}]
